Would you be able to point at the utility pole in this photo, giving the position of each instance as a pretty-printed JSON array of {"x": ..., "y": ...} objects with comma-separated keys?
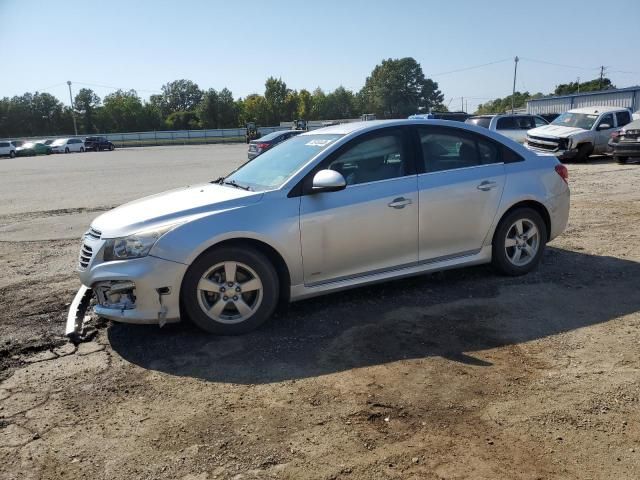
[
  {"x": 73, "y": 110},
  {"x": 601, "y": 77},
  {"x": 462, "y": 104},
  {"x": 578, "y": 84},
  {"x": 513, "y": 93}
]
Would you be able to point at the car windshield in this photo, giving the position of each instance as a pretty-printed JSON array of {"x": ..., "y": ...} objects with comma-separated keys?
[
  {"x": 578, "y": 120},
  {"x": 274, "y": 167},
  {"x": 479, "y": 121}
]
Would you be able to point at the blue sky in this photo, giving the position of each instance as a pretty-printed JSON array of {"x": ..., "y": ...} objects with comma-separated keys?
[{"x": 144, "y": 44}]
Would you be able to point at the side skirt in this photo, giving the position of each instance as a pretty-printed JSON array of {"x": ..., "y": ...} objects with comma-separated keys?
[{"x": 301, "y": 291}]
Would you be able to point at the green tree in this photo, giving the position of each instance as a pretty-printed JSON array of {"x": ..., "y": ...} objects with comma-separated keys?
[
  {"x": 275, "y": 94},
  {"x": 589, "y": 86},
  {"x": 398, "y": 87},
  {"x": 318, "y": 105},
  {"x": 228, "y": 109},
  {"x": 122, "y": 112},
  {"x": 182, "y": 121},
  {"x": 209, "y": 109},
  {"x": 340, "y": 104},
  {"x": 179, "y": 96},
  {"x": 305, "y": 104},
  {"x": 255, "y": 109},
  {"x": 502, "y": 105},
  {"x": 86, "y": 102}
]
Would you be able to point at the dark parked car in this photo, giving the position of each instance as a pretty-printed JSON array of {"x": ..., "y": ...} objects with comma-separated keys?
[
  {"x": 261, "y": 145},
  {"x": 625, "y": 143},
  {"x": 97, "y": 144}
]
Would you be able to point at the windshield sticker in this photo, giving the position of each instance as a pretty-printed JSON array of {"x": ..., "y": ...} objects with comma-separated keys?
[{"x": 319, "y": 143}]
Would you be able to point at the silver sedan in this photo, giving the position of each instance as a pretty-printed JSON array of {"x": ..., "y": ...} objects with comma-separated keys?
[{"x": 330, "y": 209}]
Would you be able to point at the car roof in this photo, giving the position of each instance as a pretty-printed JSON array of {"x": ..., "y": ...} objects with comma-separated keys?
[
  {"x": 362, "y": 127},
  {"x": 597, "y": 110}
]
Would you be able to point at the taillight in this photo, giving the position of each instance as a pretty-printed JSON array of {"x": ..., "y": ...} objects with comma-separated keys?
[
  {"x": 563, "y": 172},
  {"x": 263, "y": 146},
  {"x": 615, "y": 134}
]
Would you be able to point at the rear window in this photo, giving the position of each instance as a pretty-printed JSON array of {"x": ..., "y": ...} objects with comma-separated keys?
[
  {"x": 273, "y": 135},
  {"x": 507, "y": 123},
  {"x": 479, "y": 121},
  {"x": 4, "y": 144}
]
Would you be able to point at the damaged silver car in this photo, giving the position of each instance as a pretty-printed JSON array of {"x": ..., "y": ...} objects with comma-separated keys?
[{"x": 330, "y": 209}]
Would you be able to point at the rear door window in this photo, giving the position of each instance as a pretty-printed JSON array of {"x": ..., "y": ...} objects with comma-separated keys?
[
  {"x": 623, "y": 118},
  {"x": 525, "y": 123},
  {"x": 608, "y": 119},
  {"x": 507, "y": 123}
]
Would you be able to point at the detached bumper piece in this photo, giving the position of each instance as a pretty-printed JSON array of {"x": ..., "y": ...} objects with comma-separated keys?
[{"x": 76, "y": 326}]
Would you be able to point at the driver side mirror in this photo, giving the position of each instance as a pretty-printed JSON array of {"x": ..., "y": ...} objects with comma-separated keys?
[
  {"x": 604, "y": 126},
  {"x": 328, "y": 181}
]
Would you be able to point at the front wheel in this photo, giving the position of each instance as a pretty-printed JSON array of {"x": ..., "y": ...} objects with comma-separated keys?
[
  {"x": 81, "y": 149},
  {"x": 66, "y": 150},
  {"x": 12, "y": 154},
  {"x": 519, "y": 242},
  {"x": 111, "y": 147},
  {"x": 620, "y": 160},
  {"x": 230, "y": 290},
  {"x": 584, "y": 151}
]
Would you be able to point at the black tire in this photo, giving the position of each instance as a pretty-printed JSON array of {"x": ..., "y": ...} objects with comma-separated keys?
[
  {"x": 12, "y": 154},
  {"x": 500, "y": 259},
  {"x": 66, "y": 150},
  {"x": 621, "y": 160},
  {"x": 81, "y": 149},
  {"x": 584, "y": 151},
  {"x": 111, "y": 148},
  {"x": 264, "y": 270}
]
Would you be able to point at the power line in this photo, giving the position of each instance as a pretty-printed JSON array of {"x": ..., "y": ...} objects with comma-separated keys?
[
  {"x": 115, "y": 88},
  {"x": 558, "y": 64},
  {"x": 470, "y": 68}
]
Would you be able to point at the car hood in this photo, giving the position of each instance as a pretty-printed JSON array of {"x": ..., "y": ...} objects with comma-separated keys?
[
  {"x": 174, "y": 206},
  {"x": 555, "y": 131}
]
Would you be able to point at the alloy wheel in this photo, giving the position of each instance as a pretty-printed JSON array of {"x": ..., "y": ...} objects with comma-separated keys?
[
  {"x": 230, "y": 292},
  {"x": 522, "y": 242}
]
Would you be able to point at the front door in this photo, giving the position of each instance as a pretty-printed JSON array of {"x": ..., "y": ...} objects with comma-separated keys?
[
  {"x": 459, "y": 192},
  {"x": 603, "y": 134},
  {"x": 371, "y": 225}
]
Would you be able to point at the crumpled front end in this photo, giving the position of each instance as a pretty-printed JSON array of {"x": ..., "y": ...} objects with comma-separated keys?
[{"x": 142, "y": 290}]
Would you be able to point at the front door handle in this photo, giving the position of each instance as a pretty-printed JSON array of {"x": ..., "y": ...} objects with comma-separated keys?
[
  {"x": 400, "y": 202},
  {"x": 486, "y": 186}
]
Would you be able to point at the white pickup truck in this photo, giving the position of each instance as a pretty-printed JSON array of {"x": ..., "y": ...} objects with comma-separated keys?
[{"x": 578, "y": 133}]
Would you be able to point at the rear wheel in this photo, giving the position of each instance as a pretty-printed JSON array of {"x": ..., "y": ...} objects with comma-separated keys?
[
  {"x": 66, "y": 150},
  {"x": 230, "y": 290},
  {"x": 620, "y": 159},
  {"x": 81, "y": 149},
  {"x": 519, "y": 242},
  {"x": 111, "y": 148},
  {"x": 12, "y": 154}
]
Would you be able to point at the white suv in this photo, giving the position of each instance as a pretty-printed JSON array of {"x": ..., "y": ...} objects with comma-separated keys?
[
  {"x": 7, "y": 149},
  {"x": 513, "y": 126},
  {"x": 578, "y": 133},
  {"x": 66, "y": 145}
]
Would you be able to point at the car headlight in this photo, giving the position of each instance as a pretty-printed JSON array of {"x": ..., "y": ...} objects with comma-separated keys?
[{"x": 134, "y": 246}]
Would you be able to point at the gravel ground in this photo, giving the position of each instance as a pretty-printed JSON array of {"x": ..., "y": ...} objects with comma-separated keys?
[{"x": 457, "y": 375}]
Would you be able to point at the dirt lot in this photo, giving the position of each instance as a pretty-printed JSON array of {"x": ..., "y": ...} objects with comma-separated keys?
[{"x": 456, "y": 375}]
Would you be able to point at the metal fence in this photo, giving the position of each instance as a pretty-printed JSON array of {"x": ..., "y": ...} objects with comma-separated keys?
[{"x": 169, "y": 137}]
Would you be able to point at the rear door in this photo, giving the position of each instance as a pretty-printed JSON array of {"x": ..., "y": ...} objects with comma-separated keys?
[{"x": 460, "y": 190}]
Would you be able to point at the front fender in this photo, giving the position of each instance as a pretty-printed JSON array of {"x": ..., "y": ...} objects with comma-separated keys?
[{"x": 274, "y": 222}]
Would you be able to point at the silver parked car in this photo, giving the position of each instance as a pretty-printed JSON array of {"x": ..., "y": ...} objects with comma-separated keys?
[{"x": 330, "y": 209}]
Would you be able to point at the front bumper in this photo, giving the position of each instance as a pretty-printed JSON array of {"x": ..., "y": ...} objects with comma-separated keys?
[
  {"x": 625, "y": 149},
  {"x": 156, "y": 291},
  {"x": 559, "y": 153}
]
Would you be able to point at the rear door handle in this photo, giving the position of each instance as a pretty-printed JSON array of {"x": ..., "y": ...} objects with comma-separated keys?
[
  {"x": 486, "y": 186},
  {"x": 400, "y": 202}
]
